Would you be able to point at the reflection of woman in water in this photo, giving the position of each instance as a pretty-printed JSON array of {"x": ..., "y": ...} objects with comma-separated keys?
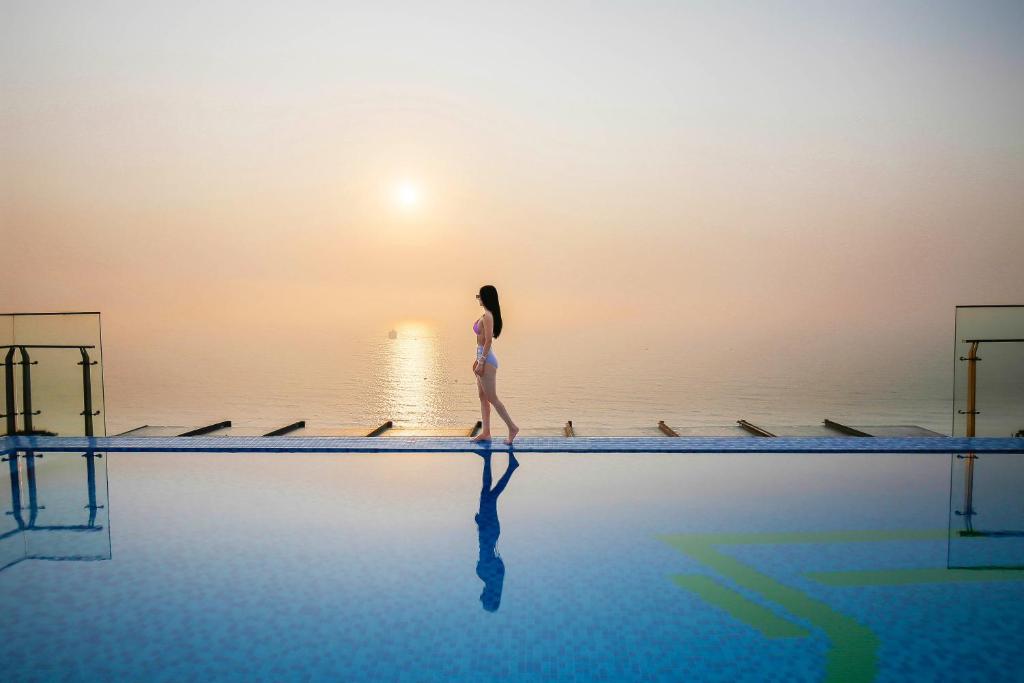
[{"x": 489, "y": 567}]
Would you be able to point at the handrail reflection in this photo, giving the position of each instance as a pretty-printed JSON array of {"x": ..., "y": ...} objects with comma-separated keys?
[{"x": 26, "y": 528}]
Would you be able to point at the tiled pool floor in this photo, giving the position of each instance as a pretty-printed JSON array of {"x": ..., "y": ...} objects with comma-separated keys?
[{"x": 718, "y": 567}]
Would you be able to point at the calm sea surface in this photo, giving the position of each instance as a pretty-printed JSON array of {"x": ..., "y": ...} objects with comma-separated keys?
[{"x": 604, "y": 384}]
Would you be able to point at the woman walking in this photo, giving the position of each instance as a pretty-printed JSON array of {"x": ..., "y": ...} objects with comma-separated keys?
[{"x": 488, "y": 328}]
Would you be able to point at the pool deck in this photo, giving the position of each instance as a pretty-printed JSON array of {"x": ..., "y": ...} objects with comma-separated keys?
[{"x": 524, "y": 444}]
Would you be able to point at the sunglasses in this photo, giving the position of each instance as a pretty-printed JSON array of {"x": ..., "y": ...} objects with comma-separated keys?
[{"x": 477, "y": 296}]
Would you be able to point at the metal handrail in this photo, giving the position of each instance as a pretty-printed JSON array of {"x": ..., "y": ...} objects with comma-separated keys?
[
  {"x": 47, "y": 346},
  {"x": 26, "y": 382}
]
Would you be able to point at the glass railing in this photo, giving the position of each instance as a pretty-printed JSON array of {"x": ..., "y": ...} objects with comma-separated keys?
[
  {"x": 986, "y": 521},
  {"x": 52, "y": 368},
  {"x": 988, "y": 371}
]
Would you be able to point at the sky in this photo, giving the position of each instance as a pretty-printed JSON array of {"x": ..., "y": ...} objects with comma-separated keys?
[{"x": 762, "y": 170}]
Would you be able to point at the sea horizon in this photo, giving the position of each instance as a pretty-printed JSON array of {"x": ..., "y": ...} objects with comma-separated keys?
[{"x": 423, "y": 378}]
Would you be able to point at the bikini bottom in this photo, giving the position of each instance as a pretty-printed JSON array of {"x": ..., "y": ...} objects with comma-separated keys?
[{"x": 491, "y": 358}]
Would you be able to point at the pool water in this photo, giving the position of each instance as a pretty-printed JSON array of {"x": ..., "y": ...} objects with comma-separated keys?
[{"x": 718, "y": 567}]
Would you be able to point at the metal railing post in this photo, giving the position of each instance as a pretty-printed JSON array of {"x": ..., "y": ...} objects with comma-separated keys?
[
  {"x": 972, "y": 388},
  {"x": 11, "y": 412},
  {"x": 87, "y": 391},
  {"x": 26, "y": 391},
  {"x": 971, "y": 427}
]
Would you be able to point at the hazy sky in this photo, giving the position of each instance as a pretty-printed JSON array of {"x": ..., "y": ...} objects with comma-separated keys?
[{"x": 694, "y": 168}]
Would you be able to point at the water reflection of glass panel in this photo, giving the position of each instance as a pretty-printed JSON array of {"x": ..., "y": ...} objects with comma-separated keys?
[
  {"x": 999, "y": 378},
  {"x": 986, "y": 517},
  {"x": 57, "y": 507},
  {"x": 12, "y": 541}
]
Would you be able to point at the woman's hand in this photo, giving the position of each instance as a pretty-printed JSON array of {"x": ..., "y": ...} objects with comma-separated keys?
[{"x": 478, "y": 367}]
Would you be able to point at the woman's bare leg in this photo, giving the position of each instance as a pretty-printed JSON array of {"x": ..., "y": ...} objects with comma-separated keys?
[
  {"x": 490, "y": 382},
  {"x": 485, "y": 413}
]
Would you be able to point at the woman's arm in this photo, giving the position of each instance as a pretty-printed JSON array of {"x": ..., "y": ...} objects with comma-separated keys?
[{"x": 488, "y": 333}]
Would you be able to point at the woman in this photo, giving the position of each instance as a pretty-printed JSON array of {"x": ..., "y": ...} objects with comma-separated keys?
[{"x": 488, "y": 328}]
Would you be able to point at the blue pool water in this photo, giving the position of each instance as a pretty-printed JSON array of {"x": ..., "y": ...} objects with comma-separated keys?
[{"x": 719, "y": 567}]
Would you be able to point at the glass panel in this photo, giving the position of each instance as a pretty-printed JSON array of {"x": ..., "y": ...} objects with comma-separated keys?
[
  {"x": 999, "y": 381},
  {"x": 6, "y": 330},
  {"x": 986, "y": 516},
  {"x": 57, "y": 396},
  {"x": 986, "y": 520}
]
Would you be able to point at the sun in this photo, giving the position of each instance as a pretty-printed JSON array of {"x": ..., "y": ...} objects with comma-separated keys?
[{"x": 407, "y": 194}]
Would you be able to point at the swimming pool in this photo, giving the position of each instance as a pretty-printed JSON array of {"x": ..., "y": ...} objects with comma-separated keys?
[{"x": 319, "y": 566}]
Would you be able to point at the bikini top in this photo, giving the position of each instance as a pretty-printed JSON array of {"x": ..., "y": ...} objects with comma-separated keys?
[{"x": 476, "y": 326}]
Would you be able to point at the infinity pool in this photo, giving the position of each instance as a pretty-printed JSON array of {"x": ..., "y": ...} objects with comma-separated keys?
[{"x": 718, "y": 567}]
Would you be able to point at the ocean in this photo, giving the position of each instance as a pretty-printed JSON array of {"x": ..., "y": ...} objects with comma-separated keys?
[{"x": 611, "y": 383}]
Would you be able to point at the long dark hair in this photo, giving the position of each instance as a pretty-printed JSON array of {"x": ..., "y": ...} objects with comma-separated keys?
[{"x": 489, "y": 298}]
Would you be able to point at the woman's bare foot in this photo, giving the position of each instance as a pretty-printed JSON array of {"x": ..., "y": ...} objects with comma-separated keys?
[
  {"x": 482, "y": 436},
  {"x": 512, "y": 431}
]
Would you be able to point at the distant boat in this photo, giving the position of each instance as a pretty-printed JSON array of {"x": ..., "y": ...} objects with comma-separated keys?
[{"x": 392, "y": 335}]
